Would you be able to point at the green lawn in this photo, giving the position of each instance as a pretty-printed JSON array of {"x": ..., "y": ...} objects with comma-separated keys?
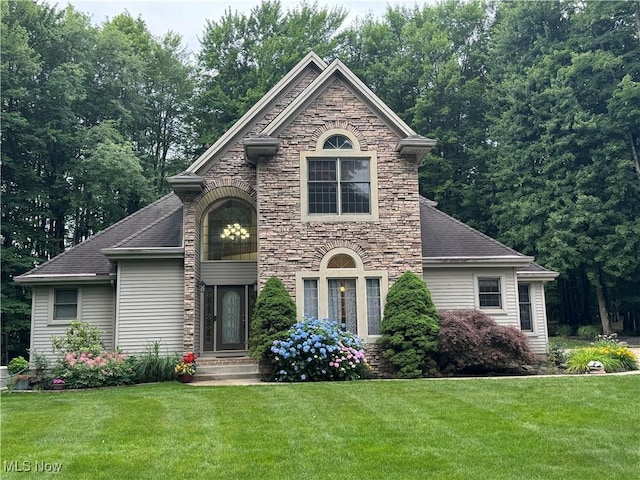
[{"x": 530, "y": 428}]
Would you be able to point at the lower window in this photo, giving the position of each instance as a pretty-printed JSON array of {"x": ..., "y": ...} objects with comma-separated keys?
[
  {"x": 65, "y": 304},
  {"x": 489, "y": 293},
  {"x": 524, "y": 302},
  {"x": 343, "y": 302}
]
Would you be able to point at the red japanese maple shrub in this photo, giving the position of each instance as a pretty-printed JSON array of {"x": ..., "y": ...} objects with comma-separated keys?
[{"x": 469, "y": 341}]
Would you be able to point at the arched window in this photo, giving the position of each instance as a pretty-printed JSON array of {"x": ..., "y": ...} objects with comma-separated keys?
[
  {"x": 231, "y": 231},
  {"x": 337, "y": 142},
  {"x": 341, "y": 260}
]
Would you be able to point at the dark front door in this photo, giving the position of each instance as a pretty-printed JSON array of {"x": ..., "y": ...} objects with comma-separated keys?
[{"x": 226, "y": 317}]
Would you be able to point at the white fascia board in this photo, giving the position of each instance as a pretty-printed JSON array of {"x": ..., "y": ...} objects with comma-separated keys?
[
  {"x": 248, "y": 117},
  {"x": 146, "y": 253},
  {"x": 317, "y": 86},
  {"x": 543, "y": 276},
  {"x": 507, "y": 260},
  {"x": 66, "y": 279}
]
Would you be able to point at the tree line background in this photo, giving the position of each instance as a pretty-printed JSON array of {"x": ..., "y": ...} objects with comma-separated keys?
[{"x": 535, "y": 106}]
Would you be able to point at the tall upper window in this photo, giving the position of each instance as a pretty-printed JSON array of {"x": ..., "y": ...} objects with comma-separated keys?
[
  {"x": 231, "y": 230},
  {"x": 524, "y": 303},
  {"x": 338, "y": 181}
]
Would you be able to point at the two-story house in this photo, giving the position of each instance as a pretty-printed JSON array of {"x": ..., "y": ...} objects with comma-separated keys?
[{"x": 317, "y": 184}]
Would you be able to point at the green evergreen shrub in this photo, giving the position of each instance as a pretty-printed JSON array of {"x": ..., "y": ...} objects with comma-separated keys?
[
  {"x": 471, "y": 341},
  {"x": 588, "y": 332},
  {"x": 563, "y": 331},
  {"x": 273, "y": 315},
  {"x": 18, "y": 365},
  {"x": 409, "y": 328}
]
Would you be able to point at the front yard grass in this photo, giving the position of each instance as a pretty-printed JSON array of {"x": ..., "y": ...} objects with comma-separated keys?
[{"x": 530, "y": 428}]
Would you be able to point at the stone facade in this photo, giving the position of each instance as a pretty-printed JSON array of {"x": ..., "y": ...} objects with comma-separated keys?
[{"x": 288, "y": 245}]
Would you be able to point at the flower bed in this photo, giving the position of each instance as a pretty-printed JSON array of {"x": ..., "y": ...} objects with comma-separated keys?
[{"x": 318, "y": 350}]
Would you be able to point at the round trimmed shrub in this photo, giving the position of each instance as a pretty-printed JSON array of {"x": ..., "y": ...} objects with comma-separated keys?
[
  {"x": 273, "y": 315},
  {"x": 409, "y": 328},
  {"x": 472, "y": 342},
  {"x": 316, "y": 350}
]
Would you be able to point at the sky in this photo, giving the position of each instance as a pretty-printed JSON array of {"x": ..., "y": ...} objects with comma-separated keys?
[{"x": 188, "y": 17}]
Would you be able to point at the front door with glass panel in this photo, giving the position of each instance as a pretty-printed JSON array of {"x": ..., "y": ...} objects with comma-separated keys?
[{"x": 226, "y": 317}]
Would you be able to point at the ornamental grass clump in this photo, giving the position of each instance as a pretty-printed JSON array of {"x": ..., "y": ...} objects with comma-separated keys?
[
  {"x": 316, "y": 350},
  {"x": 612, "y": 356}
]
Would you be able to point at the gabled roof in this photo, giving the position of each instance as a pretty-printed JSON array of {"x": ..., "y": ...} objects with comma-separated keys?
[
  {"x": 147, "y": 225},
  {"x": 328, "y": 73},
  {"x": 310, "y": 61}
]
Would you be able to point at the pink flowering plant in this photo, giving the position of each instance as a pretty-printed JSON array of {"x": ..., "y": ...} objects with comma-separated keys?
[
  {"x": 316, "y": 350},
  {"x": 84, "y": 363},
  {"x": 87, "y": 369}
]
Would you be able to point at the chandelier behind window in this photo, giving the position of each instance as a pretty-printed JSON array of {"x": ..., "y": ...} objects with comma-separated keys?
[{"x": 234, "y": 232}]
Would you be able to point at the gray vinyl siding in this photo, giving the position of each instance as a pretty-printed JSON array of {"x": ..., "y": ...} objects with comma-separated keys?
[
  {"x": 96, "y": 307},
  {"x": 455, "y": 289},
  {"x": 150, "y": 304},
  {"x": 539, "y": 337},
  {"x": 229, "y": 273}
]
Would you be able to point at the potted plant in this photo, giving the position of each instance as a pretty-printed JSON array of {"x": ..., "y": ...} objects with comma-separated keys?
[
  {"x": 186, "y": 369},
  {"x": 18, "y": 369},
  {"x": 58, "y": 384}
]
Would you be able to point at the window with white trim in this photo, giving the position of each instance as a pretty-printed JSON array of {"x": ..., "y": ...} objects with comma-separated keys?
[
  {"x": 524, "y": 303},
  {"x": 345, "y": 292},
  {"x": 489, "y": 293},
  {"x": 338, "y": 181},
  {"x": 65, "y": 304}
]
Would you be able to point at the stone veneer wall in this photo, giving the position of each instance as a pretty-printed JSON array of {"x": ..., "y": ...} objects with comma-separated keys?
[
  {"x": 380, "y": 367},
  {"x": 230, "y": 168},
  {"x": 288, "y": 245}
]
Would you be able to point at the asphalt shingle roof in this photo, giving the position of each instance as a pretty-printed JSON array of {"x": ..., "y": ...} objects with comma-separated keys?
[
  {"x": 160, "y": 225},
  {"x": 85, "y": 258},
  {"x": 444, "y": 236}
]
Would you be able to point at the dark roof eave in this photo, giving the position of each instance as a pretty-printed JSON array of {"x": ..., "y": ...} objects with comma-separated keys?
[{"x": 260, "y": 148}]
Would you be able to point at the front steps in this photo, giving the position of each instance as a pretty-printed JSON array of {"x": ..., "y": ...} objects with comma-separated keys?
[{"x": 230, "y": 368}]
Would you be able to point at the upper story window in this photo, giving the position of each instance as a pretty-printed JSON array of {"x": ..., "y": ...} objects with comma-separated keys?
[
  {"x": 230, "y": 231},
  {"x": 338, "y": 181},
  {"x": 337, "y": 142}
]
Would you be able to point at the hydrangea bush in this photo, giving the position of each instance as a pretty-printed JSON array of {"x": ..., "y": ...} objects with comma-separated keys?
[{"x": 317, "y": 350}]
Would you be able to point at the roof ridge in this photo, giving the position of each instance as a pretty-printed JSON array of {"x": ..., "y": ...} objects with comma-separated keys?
[
  {"x": 274, "y": 92},
  {"x": 148, "y": 227},
  {"x": 426, "y": 203},
  {"x": 96, "y": 235},
  {"x": 338, "y": 68}
]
